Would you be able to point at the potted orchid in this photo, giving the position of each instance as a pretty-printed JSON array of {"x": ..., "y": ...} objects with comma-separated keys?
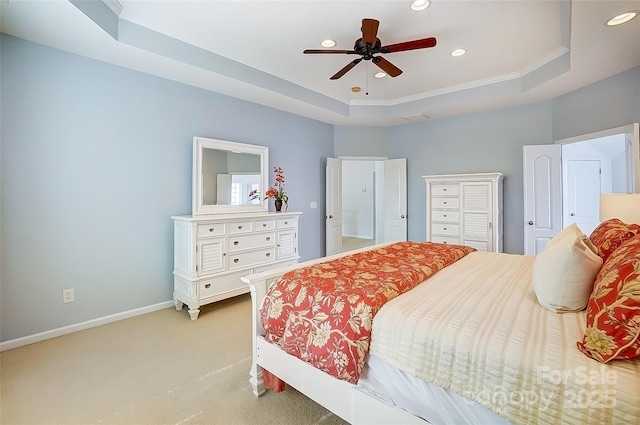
[{"x": 277, "y": 190}]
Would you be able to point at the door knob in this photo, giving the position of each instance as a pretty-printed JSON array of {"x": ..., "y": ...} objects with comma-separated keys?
[
  {"x": 330, "y": 216},
  {"x": 402, "y": 216},
  {"x": 572, "y": 214},
  {"x": 530, "y": 223}
]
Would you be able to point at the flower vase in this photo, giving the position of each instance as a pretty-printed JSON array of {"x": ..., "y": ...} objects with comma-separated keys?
[{"x": 278, "y": 205}]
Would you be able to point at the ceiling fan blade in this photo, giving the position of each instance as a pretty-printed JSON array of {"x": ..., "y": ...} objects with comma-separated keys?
[
  {"x": 325, "y": 51},
  {"x": 346, "y": 69},
  {"x": 387, "y": 66},
  {"x": 409, "y": 45},
  {"x": 369, "y": 31}
]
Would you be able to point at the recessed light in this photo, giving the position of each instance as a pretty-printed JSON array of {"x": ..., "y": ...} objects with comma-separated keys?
[
  {"x": 458, "y": 52},
  {"x": 328, "y": 43},
  {"x": 380, "y": 74},
  {"x": 418, "y": 5},
  {"x": 622, "y": 18}
]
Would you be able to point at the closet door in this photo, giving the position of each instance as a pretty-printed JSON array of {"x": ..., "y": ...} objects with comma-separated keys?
[{"x": 477, "y": 215}]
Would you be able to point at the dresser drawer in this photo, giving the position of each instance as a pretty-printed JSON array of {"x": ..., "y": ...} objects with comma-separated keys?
[
  {"x": 254, "y": 240},
  {"x": 221, "y": 285},
  {"x": 211, "y": 229},
  {"x": 445, "y": 203},
  {"x": 445, "y": 189},
  {"x": 240, "y": 227},
  {"x": 445, "y": 229},
  {"x": 285, "y": 223},
  {"x": 247, "y": 259},
  {"x": 446, "y": 216},
  {"x": 445, "y": 240},
  {"x": 259, "y": 225}
]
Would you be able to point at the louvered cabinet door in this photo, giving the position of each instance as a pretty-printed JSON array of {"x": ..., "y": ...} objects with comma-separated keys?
[
  {"x": 287, "y": 246},
  {"x": 210, "y": 255},
  {"x": 477, "y": 215}
]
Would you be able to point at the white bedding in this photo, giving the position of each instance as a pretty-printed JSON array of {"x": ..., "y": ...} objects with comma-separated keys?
[
  {"x": 423, "y": 399},
  {"x": 475, "y": 328}
]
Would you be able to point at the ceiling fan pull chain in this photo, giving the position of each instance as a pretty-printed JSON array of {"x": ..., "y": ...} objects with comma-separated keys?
[{"x": 366, "y": 81}]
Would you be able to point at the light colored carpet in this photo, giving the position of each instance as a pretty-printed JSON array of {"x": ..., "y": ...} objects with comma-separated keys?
[
  {"x": 349, "y": 244},
  {"x": 159, "y": 368}
]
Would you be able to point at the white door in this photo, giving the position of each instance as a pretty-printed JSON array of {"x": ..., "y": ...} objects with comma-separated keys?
[
  {"x": 395, "y": 200},
  {"x": 333, "y": 214},
  {"x": 581, "y": 195},
  {"x": 542, "y": 169}
]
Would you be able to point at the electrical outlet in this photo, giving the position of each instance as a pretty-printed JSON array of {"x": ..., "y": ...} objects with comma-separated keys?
[{"x": 68, "y": 296}]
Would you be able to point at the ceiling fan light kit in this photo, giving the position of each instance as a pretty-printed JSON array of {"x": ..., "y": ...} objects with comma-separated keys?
[{"x": 370, "y": 45}]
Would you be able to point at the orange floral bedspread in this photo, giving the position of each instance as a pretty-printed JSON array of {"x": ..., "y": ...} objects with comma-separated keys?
[{"x": 322, "y": 314}]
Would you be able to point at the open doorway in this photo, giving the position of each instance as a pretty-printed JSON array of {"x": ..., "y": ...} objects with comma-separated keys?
[
  {"x": 375, "y": 198},
  {"x": 360, "y": 193},
  {"x": 589, "y": 168},
  {"x": 547, "y": 180}
]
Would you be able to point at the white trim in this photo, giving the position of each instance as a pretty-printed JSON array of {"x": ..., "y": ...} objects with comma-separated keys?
[
  {"x": 363, "y": 158},
  {"x": 595, "y": 135},
  {"x": 53, "y": 333},
  {"x": 114, "y": 6}
]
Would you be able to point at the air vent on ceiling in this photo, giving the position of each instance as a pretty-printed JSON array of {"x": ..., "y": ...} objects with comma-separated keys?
[{"x": 417, "y": 117}]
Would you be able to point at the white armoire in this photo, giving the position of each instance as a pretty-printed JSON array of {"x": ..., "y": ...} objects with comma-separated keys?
[{"x": 465, "y": 209}]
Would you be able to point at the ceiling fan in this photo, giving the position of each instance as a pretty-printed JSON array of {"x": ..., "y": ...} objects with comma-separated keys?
[{"x": 369, "y": 45}]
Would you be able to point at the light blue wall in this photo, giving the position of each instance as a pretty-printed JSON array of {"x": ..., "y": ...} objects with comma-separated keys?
[
  {"x": 475, "y": 143},
  {"x": 610, "y": 103},
  {"x": 95, "y": 160},
  {"x": 492, "y": 141}
]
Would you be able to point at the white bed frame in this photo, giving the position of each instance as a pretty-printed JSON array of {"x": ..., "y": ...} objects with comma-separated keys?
[{"x": 340, "y": 397}]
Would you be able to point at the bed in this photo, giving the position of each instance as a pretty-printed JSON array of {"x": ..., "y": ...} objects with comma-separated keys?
[{"x": 480, "y": 341}]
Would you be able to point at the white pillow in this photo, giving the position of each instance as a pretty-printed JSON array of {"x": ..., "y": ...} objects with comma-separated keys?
[{"x": 564, "y": 272}]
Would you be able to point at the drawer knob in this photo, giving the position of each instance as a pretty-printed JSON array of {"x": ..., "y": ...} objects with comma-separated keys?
[
  {"x": 286, "y": 222},
  {"x": 236, "y": 242},
  {"x": 444, "y": 242},
  {"x": 445, "y": 189},
  {"x": 264, "y": 224},
  {"x": 444, "y": 228},
  {"x": 268, "y": 254},
  {"x": 211, "y": 229},
  {"x": 239, "y": 227},
  {"x": 445, "y": 202},
  {"x": 268, "y": 238},
  {"x": 444, "y": 215},
  {"x": 235, "y": 260},
  {"x": 207, "y": 286}
]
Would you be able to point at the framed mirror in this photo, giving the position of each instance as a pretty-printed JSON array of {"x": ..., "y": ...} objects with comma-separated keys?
[{"x": 228, "y": 177}]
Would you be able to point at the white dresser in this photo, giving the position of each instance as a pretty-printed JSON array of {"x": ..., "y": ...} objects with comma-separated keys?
[
  {"x": 465, "y": 209},
  {"x": 212, "y": 252}
]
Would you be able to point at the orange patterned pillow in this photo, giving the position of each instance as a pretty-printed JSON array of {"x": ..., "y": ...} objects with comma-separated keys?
[
  {"x": 610, "y": 234},
  {"x": 613, "y": 312}
]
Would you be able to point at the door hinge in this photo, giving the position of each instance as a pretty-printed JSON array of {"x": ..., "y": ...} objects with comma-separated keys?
[{"x": 196, "y": 268}]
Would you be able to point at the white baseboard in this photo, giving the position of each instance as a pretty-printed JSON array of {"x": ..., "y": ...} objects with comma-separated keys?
[{"x": 26, "y": 340}]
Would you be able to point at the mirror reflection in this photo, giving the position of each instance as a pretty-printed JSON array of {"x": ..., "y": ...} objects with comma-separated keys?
[{"x": 228, "y": 177}]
